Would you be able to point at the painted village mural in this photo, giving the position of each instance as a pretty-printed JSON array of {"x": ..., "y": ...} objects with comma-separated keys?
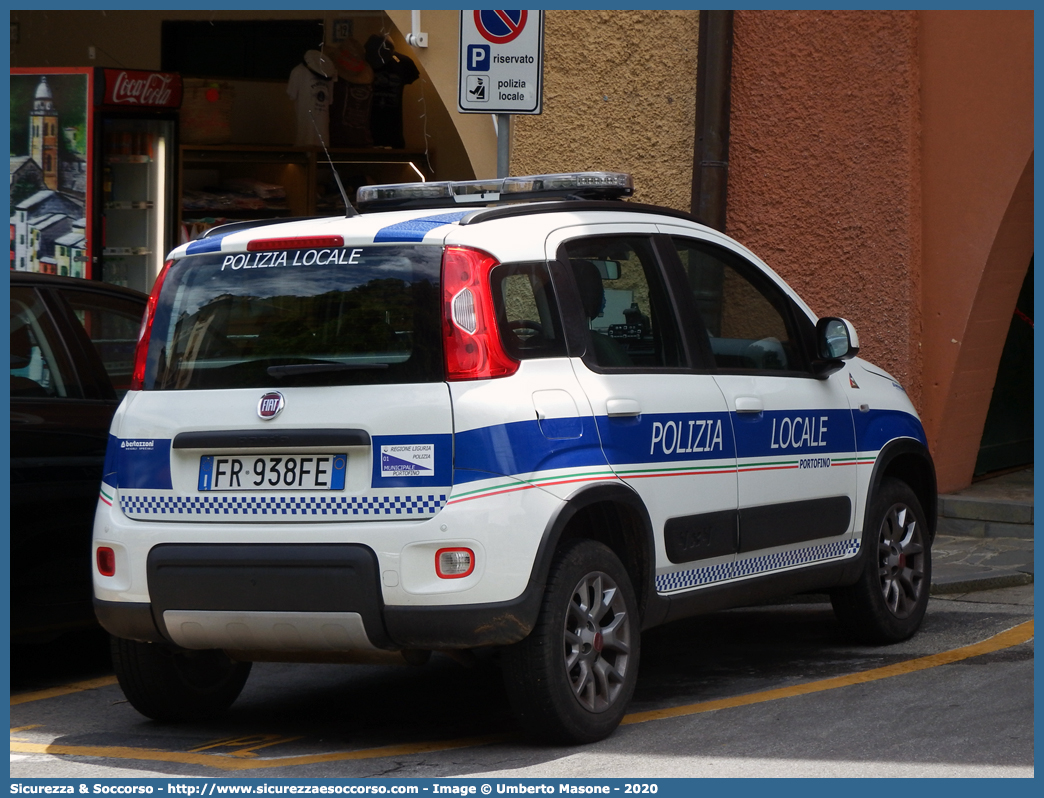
[{"x": 49, "y": 173}]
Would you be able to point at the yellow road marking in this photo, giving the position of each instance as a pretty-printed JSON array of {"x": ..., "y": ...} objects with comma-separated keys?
[
  {"x": 227, "y": 763},
  {"x": 1012, "y": 637},
  {"x": 245, "y": 746},
  {"x": 68, "y": 689}
]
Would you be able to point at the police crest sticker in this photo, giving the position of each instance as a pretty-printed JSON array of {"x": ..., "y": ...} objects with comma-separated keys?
[{"x": 408, "y": 460}]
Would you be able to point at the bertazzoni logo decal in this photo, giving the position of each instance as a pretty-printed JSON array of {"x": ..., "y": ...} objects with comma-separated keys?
[{"x": 270, "y": 405}]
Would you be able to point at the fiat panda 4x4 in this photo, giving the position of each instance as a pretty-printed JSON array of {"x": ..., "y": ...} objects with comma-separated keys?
[{"x": 518, "y": 413}]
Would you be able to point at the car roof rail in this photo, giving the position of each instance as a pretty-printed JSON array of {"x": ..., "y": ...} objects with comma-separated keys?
[{"x": 527, "y": 209}]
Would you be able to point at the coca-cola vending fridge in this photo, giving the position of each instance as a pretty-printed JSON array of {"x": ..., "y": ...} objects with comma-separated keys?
[{"x": 93, "y": 172}]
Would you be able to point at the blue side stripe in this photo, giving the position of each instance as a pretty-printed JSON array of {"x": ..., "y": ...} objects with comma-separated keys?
[
  {"x": 878, "y": 427},
  {"x": 522, "y": 447},
  {"x": 415, "y": 229},
  {"x": 203, "y": 245}
]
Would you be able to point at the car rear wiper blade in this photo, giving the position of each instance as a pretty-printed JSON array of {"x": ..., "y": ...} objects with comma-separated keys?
[{"x": 296, "y": 369}]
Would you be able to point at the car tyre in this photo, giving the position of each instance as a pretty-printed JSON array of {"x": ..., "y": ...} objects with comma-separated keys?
[
  {"x": 888, "y": 602},
  {"x": 174, "y": 684},
  {"x": 571, "y": 679}
]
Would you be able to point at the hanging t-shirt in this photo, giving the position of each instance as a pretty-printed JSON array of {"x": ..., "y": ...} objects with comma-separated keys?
[
  {"x": 312, "y": 95},
  {"x": 392, "y": 72},
  {"x": 350, "y": 115}
]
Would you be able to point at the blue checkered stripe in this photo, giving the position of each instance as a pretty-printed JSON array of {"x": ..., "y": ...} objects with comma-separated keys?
[
  {"x": 240, "y": 505},
  {"x": 751, "y": 566}
]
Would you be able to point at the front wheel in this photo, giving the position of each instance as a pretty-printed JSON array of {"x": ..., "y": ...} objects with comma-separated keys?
[
  {"x": 571, "y": 679},
  {"x": 175, "y": 684},
  {"x": 888, "y": 602}
]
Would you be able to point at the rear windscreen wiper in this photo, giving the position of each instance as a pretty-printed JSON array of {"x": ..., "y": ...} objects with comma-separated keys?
[{"x": 321, "y": 368}]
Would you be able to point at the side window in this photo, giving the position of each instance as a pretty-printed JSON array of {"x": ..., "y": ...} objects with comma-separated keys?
[
  {"x": 112, "y": 324},
  {"x": 747, "y": 318},
  {"x": 37, "y": 366},
  {"x": 527, "y": 313},
  {"x": 630, "y": 321}
]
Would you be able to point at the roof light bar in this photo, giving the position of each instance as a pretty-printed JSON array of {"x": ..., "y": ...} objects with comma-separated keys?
[
  {"x": 566, "y": 185},
  {"x": 614, "y": 183}
]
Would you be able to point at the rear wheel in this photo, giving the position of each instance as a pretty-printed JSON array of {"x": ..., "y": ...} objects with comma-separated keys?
[
  {"x": 175, "y": 684},
  {"x": 888, "y": 602},
  {"x": 571, "y": 679}
]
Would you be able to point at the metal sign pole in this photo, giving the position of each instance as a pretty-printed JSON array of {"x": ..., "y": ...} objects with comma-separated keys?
[{"x": 503, "y": 145}]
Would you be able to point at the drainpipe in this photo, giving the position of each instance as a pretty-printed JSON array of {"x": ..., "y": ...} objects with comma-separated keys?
[{"x": 710, "y": 162}]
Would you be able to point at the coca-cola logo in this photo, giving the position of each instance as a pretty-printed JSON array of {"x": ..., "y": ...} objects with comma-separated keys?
[{"x": 143, "y": 88}]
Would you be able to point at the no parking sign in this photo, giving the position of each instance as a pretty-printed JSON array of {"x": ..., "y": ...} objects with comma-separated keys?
[{"x": 501, "y": 65}]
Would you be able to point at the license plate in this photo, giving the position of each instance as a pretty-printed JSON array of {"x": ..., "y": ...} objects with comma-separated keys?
[{"x": 269, "y": 472}]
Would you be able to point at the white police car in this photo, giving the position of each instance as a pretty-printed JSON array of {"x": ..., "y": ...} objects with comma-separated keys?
[{"x": 517, "y": 413}]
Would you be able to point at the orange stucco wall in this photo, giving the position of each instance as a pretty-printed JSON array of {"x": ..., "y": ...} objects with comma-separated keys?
[
  {"x": 823, "y": 167},
  {"x": 977, "y": 190},
  {"x": 882, "y": 163}
]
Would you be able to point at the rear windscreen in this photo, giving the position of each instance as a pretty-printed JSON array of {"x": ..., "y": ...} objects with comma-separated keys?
[{"x": 306, "y": 317}]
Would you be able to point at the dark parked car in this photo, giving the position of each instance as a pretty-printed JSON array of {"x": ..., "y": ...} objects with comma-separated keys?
[{"x": 72, "y": 355}]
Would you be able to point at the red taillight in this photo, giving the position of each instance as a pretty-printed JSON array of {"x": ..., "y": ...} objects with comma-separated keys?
[
  {"x": 106, "y": 561},
  {"x": 141, "y": 351},
  {"x": 300, "y": 242},
  {"x": 473, "y": 347}
]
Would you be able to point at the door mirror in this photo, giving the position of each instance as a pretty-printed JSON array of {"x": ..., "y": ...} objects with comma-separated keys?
[{"x": 836, "y": 339}]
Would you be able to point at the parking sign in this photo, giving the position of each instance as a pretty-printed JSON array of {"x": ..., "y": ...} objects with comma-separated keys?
[{"x": 501, "y": 66}]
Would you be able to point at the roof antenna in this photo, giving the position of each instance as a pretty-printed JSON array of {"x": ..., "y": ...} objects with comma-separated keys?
[{"x": 349, "y": 209}]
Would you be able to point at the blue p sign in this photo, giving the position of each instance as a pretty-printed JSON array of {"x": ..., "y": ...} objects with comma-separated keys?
[{"x": 478, "y": 57}]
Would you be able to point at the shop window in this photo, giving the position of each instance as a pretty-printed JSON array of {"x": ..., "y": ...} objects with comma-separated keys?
[{"x": 238, "y": 50}]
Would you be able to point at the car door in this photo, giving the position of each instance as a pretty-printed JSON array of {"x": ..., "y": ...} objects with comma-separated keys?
[
  {"x": 663, "y": 422},
  {"x": 111, "y": 322},
  {"x": 794, "y": 432},
  {"x": 59, "y": 431}
]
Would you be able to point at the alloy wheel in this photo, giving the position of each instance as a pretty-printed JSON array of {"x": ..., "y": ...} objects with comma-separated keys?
[
  {"x": 901, "y": 557},
  {"x": 597, "y": 642}
]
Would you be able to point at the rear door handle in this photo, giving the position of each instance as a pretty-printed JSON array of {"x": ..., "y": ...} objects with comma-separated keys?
[
  {"x": 622, "y": 408},
  {"x": 749, "y": 404}
]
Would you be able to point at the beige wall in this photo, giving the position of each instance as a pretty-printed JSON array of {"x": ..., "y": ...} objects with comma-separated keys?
[{"x": 619, "y": 95}]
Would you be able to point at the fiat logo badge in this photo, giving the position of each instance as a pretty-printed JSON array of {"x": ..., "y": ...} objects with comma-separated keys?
[{"x": 270, "y": 405}]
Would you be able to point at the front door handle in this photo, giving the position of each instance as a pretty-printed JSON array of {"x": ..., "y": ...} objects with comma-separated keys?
[
  {"x": 749, "y": 404},
  {"x": 622, "y": 408}
]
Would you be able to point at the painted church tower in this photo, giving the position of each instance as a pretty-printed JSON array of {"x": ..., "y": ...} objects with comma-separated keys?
[{"x": 43, "y": 134}]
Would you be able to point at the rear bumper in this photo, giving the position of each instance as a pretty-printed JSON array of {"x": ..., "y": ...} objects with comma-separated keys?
[
  {"x": 432, "y": 628},
  {"x": 306, "y": 597}
]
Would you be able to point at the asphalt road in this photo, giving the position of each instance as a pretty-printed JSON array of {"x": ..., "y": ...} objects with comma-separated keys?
[{"x": 766, "y": 691}]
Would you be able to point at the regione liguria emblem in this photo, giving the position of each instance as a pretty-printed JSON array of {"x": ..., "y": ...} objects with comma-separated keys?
[{"x": 270, "y": 405}]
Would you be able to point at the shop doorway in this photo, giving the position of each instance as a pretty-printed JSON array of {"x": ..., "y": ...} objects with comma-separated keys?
[{"x": 1007, "y": 438}]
